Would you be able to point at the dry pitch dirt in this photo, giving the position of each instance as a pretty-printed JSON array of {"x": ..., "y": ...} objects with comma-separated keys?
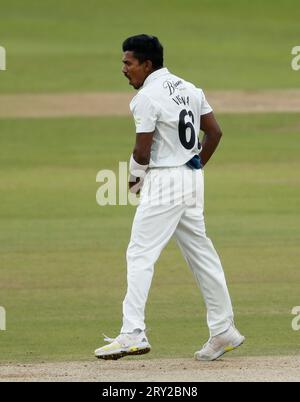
[
  {"x": 236, "y": 369},
  {"x": 116, "y": 103}
]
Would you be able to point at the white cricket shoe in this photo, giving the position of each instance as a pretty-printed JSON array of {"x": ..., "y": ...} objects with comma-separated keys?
[
  {"x": 220, "y": 344},
  {"x": 135, "y": 343}
]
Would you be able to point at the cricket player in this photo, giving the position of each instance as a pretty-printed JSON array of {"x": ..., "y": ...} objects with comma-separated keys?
[{"x": 166, "y": 167}]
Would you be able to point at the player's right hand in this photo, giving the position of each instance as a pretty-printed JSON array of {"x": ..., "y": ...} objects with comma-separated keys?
[{"x": 135, "y": 186}]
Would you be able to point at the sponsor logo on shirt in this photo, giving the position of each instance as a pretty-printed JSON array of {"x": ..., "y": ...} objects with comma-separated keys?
[{"x": 171, "y": 86}]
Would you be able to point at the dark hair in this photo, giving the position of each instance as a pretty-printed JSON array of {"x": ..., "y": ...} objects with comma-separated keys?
[{"x": 145, "y": 47}]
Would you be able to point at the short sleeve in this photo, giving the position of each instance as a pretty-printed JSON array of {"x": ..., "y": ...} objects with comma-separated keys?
[
  {"x": 144, "y": 113},
  {"x": 205, "y": 106}
]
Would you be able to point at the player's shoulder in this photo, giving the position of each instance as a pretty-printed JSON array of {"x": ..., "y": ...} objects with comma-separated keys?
[
  {"x": 193, "y": 87},
  {"x": 141, "y": 97},
  {"x": 145, "y": 102},
  {"x": 182, "y": 84}
]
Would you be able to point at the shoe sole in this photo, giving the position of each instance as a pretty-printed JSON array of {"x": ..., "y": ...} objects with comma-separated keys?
[
  {"x": 117, "y": 356},
  {"x": 225, "y": 350}
]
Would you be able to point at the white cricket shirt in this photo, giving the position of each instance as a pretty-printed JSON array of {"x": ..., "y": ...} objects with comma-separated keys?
[{"x": 172, "y": 108}]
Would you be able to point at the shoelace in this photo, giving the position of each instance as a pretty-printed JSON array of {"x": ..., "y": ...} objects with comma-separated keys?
[
  {"x": 207, "y": 343},
  {"x": 108, "y": 339},
  {"x": 122, "y": 339}
]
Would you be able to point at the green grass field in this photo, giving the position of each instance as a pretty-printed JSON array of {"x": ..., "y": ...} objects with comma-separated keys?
[
  {"x": 62, "y": 256},
  {"x": 76, "y": 46}
]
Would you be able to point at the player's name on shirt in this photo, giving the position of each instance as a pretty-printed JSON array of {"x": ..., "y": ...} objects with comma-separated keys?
[
  {"x": 181, "y": 100},
  {"x": 172, "y": 86}
]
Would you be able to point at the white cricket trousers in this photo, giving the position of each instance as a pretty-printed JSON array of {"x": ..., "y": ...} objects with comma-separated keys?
[{"x": 171, "y": 203}]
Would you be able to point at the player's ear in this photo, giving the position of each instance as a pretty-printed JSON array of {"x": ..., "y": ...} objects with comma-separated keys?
[{"x": 148, "y": 66}]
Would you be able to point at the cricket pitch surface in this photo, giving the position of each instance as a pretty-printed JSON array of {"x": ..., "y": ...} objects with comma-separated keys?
[{"x": 226, "y": 369}]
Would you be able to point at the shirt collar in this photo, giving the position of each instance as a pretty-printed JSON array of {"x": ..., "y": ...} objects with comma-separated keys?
[{"x": 156, "y": 74}]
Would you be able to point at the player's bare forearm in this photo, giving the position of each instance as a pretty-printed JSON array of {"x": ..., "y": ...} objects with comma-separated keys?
[
  {"x": 142, "y": 148},
  {"x": 209, "y": 144},
  {"x": 141, "y": 154},
  {"x": 211, "y": 138}
]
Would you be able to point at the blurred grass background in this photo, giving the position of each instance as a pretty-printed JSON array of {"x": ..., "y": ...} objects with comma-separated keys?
[
  {"x": 63, "y": 272},
  {"x": 69, "y": 46},
  {"x": 62, "y": 257}
]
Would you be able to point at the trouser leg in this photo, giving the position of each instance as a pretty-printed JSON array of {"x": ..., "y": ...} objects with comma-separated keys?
[
  {"x": 205, "y": 264},
  {"x": 152, "y": 229}
]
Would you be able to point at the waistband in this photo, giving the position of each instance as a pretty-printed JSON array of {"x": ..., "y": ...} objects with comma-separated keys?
[{"x": 194, "y": 163}]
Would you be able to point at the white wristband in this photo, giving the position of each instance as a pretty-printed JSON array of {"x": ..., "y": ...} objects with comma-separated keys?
[{"x": 136, "y": 169}]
